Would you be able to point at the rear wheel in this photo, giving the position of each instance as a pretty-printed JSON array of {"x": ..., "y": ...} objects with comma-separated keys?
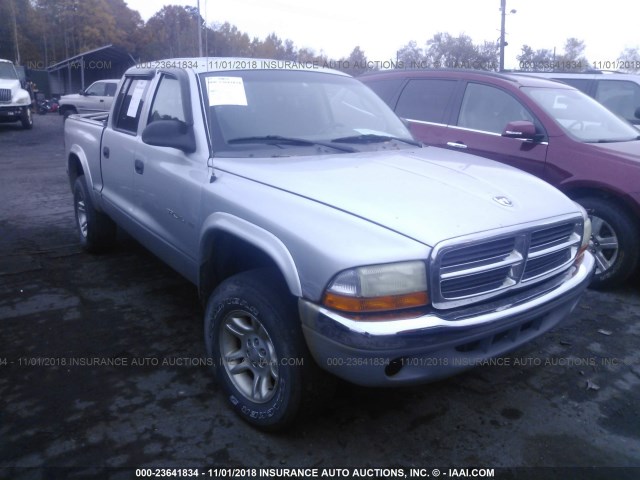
[
  {"x": 253, "y": 334},
  {"x": 615, "y": 241},
  {"x": 97, "y": 232}
]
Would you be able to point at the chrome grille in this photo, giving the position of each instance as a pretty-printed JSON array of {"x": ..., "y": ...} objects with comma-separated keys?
[
  {"x": 474, "y": 269},
  {"x": 5, "y": 95}
]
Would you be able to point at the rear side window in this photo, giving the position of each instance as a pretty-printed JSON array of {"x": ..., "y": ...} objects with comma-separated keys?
[
  {"x": 167, "y": 103},
  {"x": 130, "y": 100},
  {"x": 426, "y": 100},
  {"x": 620, "y": 96},
  {"x": 489, "y": 109}
]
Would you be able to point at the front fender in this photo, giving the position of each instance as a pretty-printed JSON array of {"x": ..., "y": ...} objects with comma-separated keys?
[{"x": 219, "y": 222}]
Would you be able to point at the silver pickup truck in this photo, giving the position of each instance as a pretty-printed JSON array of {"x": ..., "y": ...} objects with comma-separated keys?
[{"x": 320, "y": 235}]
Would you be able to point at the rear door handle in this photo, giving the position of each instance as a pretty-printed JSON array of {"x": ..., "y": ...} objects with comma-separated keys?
[
  {"x": 139, "y": 166},
  {"x": 456, "y": 145},
  {"x": 105, "y": 152}
]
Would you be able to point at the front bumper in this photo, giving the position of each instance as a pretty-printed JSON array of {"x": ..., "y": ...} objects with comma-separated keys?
[
  {"x": 436, "y": 345},
  {"x": 11, "y": 113}
]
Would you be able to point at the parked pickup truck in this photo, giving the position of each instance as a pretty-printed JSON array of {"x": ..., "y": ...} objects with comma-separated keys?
[
  {"x": 320, "y": 235},
  {"x": 98, "y": 97}
]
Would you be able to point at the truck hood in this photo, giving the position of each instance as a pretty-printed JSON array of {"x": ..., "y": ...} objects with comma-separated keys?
[
  {"x": 11, "y": 84},
  {"x": 72, "y": 97},
  {"x": 428, "y": 194},
  {"x": 629, "y": 151}
]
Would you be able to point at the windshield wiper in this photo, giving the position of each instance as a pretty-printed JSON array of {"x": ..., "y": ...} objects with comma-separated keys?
[
  {"x": 280, "y": 140},
  {"x": 373, "y": 138}
]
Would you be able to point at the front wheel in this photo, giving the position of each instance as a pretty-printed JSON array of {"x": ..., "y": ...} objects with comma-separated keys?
[
  {"x": 26, "y": 118},
  {"x": 615, "y": 242},
  {"x": 253, "y": 336},
  {"x": 68, "y": 111}
]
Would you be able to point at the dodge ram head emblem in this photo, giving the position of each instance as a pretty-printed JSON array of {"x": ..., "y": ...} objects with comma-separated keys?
[{"x": 504, "y": 201}]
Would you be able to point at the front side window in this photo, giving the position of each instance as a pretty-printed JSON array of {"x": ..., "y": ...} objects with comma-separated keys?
[
  {"x": 110, "y": 89},
  {"x": 96, "y": 89},
  {"x": 581, "y": 116},
  {"x": 581, "y": 84},
  {"x": 280, "y": 110},
  {"x": 167, "y": 103},
  {"x": 489, "y": 109},
  {"x": 426, "y": 100}
]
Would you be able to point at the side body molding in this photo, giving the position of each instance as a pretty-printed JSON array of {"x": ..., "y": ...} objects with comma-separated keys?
[{"x": 267, "y": 242}]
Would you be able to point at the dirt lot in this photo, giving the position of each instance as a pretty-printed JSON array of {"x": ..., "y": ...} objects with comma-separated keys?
[{"x": 570, "y": 399}]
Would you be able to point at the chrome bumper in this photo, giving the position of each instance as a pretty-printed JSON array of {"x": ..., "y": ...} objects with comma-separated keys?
[{"x": 436, "y": 345}]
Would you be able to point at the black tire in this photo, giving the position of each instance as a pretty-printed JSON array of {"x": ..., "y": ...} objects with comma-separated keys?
[
  {"x": 68, "y": 111},
  {"x": 253, "y": 335},
  {"x": 612, "y": 226},
  {"x": 97, "y": 232},
  {"x": 26, "y": 119}
]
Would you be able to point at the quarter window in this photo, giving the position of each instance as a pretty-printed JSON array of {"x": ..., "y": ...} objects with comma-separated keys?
[{"x": 489, "y": 109}]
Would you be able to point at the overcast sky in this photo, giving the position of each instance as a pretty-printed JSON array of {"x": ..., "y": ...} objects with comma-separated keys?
[{"x": 335, "y": 27}]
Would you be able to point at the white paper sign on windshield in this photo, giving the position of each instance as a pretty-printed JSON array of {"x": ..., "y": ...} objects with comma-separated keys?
[{"x": 226, "y": 91}]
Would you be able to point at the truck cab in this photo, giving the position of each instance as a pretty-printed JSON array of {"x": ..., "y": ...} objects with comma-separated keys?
[{"x": 15, "y": 101}]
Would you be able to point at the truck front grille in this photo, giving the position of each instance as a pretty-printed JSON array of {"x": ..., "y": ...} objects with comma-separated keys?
[
  {"x": 473, "y": 269},
  {"x": 5, "y": 95}
]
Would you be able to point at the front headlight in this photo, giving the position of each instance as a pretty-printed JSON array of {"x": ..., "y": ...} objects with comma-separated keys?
[
  {"x": 378, "y": 288},
  {"x": 586, "y": 232}
]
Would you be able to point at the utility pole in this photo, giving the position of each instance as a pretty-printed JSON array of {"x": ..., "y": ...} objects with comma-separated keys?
[
  {"x": 199, "y": 32},
  {"x": 503, "y": 14},
  {"x": 15, "y": 33}
]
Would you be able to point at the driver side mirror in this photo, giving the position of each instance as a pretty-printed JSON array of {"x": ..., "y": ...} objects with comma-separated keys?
[
  {"x": 170, "y": 133},
  {"x": 520, "y": 129},
  {"x": 637, "y": 112}
]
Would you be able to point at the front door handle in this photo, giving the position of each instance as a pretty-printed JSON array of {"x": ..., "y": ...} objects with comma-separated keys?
[
  {"x": 105, "y": 152},
  {"x": 139, "y": 166},
  {"x": 456, "y": 145}
]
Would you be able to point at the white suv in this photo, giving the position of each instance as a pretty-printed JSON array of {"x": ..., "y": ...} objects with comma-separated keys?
[{"x": 619, "y": 92}]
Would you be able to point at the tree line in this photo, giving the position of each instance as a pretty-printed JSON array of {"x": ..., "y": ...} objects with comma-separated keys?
[{"x": 44, "y": 32}]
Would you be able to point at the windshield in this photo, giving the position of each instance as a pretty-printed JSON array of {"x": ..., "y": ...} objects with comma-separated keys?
[
  {"x": 7, "y": 71},
  {"x": 288, "y": 112},
  {"x": 582, "y": 117}
]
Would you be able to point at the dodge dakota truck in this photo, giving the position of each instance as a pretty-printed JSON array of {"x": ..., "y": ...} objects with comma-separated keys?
[{"x": 323, "y": 240}]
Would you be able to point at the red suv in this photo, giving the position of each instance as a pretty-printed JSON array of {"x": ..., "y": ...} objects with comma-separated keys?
[{"x": 547, "y": 128}]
